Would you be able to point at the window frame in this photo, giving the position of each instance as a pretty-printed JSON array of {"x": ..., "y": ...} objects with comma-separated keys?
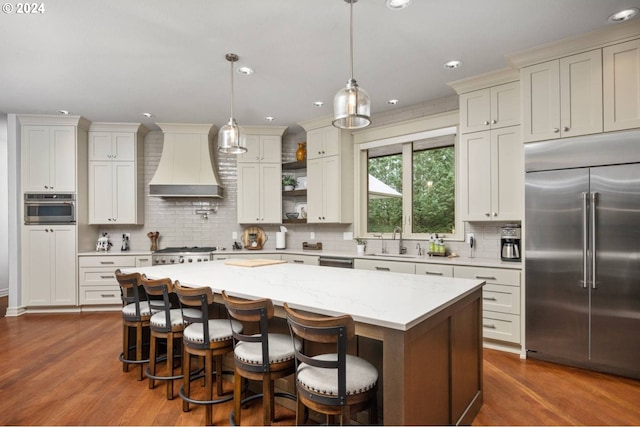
[{"x": 402, "y": 133}]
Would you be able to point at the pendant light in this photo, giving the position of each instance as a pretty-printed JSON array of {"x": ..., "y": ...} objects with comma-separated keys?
[
  {"x": 231, "y": 137},
  {"x": 351, "y": 106}
]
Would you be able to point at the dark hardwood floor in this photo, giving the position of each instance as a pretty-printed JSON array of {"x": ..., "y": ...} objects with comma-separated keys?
[{"x": 63, "y": 369}]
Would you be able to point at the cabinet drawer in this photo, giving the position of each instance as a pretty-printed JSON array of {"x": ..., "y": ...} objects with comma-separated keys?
[
  {"x": 434, "y": 270},
  {"x": 500, "y": 326},
  {"x": 393, "y": 266},
  {"x": 98, "y": 276},
  {"x": 501, "y": 298},
  {"x": 106, "y": 260},
  {"x": 300, "y": 259},
  {"x": 489, "y": 275},
  {"x": 104, "y": 295},
  {"x": 143, "y": 261}
]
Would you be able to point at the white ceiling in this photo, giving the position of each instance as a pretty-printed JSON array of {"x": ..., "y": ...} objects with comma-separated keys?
[{"x": 112, "y": 60}]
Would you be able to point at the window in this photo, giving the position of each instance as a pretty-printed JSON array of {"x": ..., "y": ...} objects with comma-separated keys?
[{"x": 409, "y": 184}]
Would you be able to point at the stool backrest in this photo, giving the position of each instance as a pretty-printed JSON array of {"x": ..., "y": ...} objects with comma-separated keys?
[
  {"x": 327, "y": 330},
  {"x": 130, "y": 290},
  {"x": 257, "y": 312},
  {"x": 202, "y": 298},
  {"x": 159, "y": 297}
]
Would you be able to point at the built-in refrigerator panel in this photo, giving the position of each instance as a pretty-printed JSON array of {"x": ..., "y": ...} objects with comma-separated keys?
[
  {"x": 557, "y": 317},
  {"x": 615, "y": 296},
  {"x": 582, "y": 251}
]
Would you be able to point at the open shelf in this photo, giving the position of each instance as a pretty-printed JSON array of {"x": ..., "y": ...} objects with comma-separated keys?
[
  {"x": 294, "y": 221},
  {"x": 294, "y": 193},
  {"x": 294, "y": 165}
]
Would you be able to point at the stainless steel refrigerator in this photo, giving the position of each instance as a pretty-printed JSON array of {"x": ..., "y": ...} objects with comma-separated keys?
[{"x": 582, "y": 252}]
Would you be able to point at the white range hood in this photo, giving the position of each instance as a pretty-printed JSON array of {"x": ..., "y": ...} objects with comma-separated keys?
[{"x": 186, "y": 168}]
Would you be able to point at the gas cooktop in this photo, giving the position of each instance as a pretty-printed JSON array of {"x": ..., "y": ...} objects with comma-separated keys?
[{"x": 185, "y": 249}]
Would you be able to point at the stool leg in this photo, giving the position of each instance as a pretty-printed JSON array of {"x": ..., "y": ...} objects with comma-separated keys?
[
  {"x": 219, "y": 375},
  {"x": 170, "y": 366},
  {"x": 152, "y": 360},
  {"x": 125, "y": 347},
  {"x": 300, "y": 412},
  {"x": 139, "y": 350},
  {"x": 208, "y": 373},
  {"x": 267, "y": 399},
  {"x": 186, "y": 377},
  {"x": 237, "y": 397}
]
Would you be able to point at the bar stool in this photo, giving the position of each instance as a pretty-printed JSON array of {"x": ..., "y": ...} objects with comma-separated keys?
[
  {"x": 333, "y": 383},
  {"x": 166, "y": 324},
  {"x": 135, "y": 314},
  {"x": 207, "y": 338},
  {"x": 262, "y": 356}
]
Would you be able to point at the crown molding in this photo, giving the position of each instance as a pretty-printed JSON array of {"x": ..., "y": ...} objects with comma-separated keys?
[{"x": 492, "y": 78}]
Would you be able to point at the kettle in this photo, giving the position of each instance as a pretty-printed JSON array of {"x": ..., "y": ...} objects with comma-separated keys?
[{"x": 510, "y": 251}]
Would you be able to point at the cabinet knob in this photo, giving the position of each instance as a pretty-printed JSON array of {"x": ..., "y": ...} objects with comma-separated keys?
[
  {"x": 486, "y": 122},
  {"x": 565, "y": 129},
  {"x": 493, "y": 122},
  {"x": 495, "y": 214},
  {"x": 556, "y": 130},
  {"x": 487, "y": 214}
]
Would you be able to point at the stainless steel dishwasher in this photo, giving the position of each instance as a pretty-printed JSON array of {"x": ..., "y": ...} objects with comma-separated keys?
[{"x": 340, "y": 262}]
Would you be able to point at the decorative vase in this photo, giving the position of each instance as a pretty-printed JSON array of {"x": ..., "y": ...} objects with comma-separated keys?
[{"x": 301, "y": 152}]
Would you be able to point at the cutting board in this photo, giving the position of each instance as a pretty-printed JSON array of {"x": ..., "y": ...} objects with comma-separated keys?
[
  {"x": 253, "y": 262},
  {"x": 261, "y": 237}
]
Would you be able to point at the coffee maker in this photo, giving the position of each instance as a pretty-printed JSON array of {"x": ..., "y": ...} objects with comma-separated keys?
[{"x": 510, "y": 242}]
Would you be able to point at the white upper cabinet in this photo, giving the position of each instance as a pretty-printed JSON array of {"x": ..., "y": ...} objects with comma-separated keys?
[
  {"x": 490, "y": 108},
  {"x": 116, "y": 165},
  {"x": 262, "y": 148},
  {"x": 562, "y": 98},
  {"x": 48, "y": 158},
  {"x": 621, "y": 91},
  {"x": 323, "y": 142}
]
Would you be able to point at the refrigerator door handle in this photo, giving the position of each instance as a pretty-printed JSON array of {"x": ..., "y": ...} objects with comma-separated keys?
[
  {"x": 594, "y": 199},
  {"x": 585, "y": 240}
]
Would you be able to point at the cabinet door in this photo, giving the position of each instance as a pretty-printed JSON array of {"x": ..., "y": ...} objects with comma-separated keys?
[
  {"x": 315, "y": 190},
  {"x": 540, "y": 101},
  {"x": 331, "y": 189},
  {"x": 100, "y": 146},
  {"x": 475, "y": 111},
  {"x": 253, "y": 153},
  {"x": 63, "y": 252},
  {"x": 271, "y": 148},
  {"x": 505, "y": 105},
  {"x": 38, "y": 266},
  {"x": 36, "y": 158},
  {"x": 63, "y": 142},
  {"x": 621, "y": 80},
  {"x": 101, "y": 193},
  {"x": 475, "y": 161},
  {"x": 249, "y": 192},
  {"x": 271, "y": 193},
  {"x": 315, "y": 144},
  {"x": 507, "y": 175},
  {"x": 124, "y": 146},
  {"x": 124, "y": 195},
  {"x": 331, "y": 140},
  {"x": 322, "y": 142},
  {"x": 581, "y": 94}
]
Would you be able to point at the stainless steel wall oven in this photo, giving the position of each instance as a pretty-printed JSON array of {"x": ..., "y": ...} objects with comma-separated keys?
[{"x": 49, "y": 208}]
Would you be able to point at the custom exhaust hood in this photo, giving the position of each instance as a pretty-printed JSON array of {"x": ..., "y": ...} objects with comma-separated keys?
[{"x": 186, "y": 168}]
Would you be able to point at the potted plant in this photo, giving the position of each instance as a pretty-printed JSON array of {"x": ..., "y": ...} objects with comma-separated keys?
[
  {"x": 289, "y": 182},
  {"x": 361, "y": 245}
]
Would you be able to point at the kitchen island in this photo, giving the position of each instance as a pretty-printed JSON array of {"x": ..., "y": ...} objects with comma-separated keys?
[{"x": 430, "y": 327}]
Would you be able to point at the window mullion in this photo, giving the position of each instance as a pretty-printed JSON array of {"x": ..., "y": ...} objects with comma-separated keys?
[{"x": 407, "y": 188}]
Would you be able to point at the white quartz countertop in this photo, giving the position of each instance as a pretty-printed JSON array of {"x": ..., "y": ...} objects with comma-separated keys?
[
  {"x": 115, "y": 253},
  {"x": 391, "y": 300}
]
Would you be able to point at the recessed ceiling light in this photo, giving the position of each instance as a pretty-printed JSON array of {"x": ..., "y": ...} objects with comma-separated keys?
[
  {"x": 398, "y": 4},
  {"x": 147, "y": 115},
  {"x": 269, "y": 119},
  {"x": 624, "y": 15},
  {"x": 245, "y": 71},
  {"x": 452, "y": 65},
  {"x": 392, "y": 101},
  {"x": 64, "y": 112},
  {"x": 318, "y": 104}
]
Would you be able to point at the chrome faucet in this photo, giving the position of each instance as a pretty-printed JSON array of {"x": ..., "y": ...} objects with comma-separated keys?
[
  {"x": 383, "y": 249},
  {"x": 401, "y": 249},
  {"x": 419, "y": 248}
]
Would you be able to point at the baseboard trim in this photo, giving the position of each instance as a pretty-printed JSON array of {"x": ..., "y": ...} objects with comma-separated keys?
[
  {"x": 4, "y": 292},
  {"x": 509, "y": 348},
  {"x": 15, "y": 311},
  {"x": 99, "y": 308}
]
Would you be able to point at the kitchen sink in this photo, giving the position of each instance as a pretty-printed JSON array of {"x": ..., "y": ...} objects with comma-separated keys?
[{"x": 395, "y": 255}]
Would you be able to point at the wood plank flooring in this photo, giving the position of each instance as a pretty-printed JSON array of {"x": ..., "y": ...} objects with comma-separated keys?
[{"x": 63, "y": 369}]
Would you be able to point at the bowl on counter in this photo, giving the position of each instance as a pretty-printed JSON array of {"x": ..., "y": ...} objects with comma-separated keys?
[{"x": 292, "y": 215}]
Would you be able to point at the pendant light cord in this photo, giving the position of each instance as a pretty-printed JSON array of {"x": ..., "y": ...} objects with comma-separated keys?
[
  {"x": 351, "y": 35},
  {"x": 232, "y": 94}
]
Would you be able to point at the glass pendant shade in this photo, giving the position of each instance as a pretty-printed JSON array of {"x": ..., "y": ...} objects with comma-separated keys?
[
  {"x": 232, "y": 138},
  {"x": 351, "y": 107}
]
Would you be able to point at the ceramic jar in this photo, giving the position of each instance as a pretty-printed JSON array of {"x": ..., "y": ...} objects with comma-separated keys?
[{"x": 301, "y": 152}]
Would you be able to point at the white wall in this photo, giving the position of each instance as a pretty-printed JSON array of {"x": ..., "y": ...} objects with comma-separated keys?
[{"x": 4, "y": 207}]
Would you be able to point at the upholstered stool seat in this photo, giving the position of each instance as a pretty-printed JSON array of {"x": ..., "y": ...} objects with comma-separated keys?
[
  {"x": 362, "y": 376},
  {"x": 280, "y": 350}
]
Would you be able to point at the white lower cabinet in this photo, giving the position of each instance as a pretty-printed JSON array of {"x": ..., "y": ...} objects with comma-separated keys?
[
  {"x": 300, "y": 259},
  {"x": 246, "y": 255},
  {"x": 98, "y": 284},
  {"x": 434, "y": 270},
  {"x": 49, "y": 265},
  {"x": 383, "y": 265},
  {"x": 500, "y": 301}
]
